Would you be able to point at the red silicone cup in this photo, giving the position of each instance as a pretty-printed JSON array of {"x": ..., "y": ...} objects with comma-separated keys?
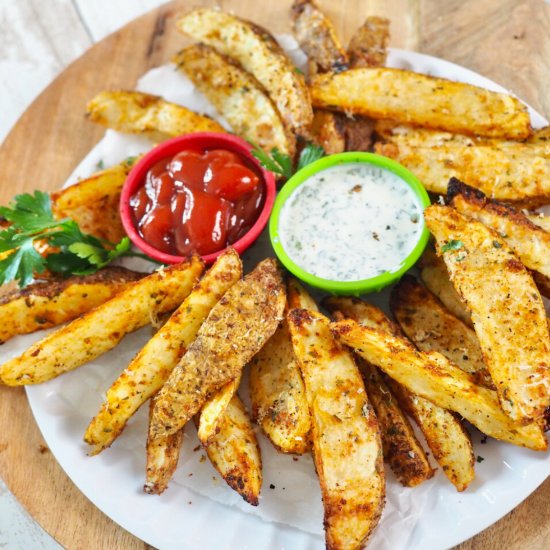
[{"x": 200, "y": 141}]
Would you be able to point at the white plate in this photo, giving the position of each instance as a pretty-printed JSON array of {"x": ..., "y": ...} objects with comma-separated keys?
[{"x": 182, "y": 518}]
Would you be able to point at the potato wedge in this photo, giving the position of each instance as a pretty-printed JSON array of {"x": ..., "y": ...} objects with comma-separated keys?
[
  {"x": 317, "y": 38},
  {"x": 530, "y": 243},
  {"x": 152, "y": 366},
  {"x": 507, "y": 310},
  {"x": 47, "y": 304},
  {"x": 541, "y": 220},
  {"x": 328, "y": 131},
  {"x": 235, "y": 453},
  {"x": 431, "y": 327},
  {"x": 237, "y": 96},
  {"x": 103, "y": 328},
  {"x": 148, "y": 115},
  {"x": 259, "y": 54},
  {"x": 93, "y": 203},
  {"x": 234, "y": 331},
  {"x": 448, "y": 440},
  {"x": 346, "y": 437},
  {"x": 298, "y": 297},
  {"x": 434, "y": 377},
  {"x": 368, "y": 45},
  {"x": 421, "y": 100}
]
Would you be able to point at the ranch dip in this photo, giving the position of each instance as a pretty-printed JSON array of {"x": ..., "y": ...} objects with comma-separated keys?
[{"x": 351, "y": 222}]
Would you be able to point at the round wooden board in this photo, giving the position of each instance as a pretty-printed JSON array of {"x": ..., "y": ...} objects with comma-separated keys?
[{"x": 53, "y": 135}]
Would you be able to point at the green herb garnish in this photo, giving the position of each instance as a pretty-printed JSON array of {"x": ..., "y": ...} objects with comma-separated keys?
[
  {"x": 452, "y": 245},
  {"x": 479, "y": 459},
  {"x": 281, "y": 163}
]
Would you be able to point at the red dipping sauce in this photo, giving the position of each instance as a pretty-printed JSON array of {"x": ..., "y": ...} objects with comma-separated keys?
[{"x": 197, "y": 202}]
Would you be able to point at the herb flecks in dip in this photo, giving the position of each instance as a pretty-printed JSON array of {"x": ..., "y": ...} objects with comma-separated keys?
[{"x": 351, "y": 222}]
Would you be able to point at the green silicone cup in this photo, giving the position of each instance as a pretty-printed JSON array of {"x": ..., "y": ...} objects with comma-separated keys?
[{"x": 364, "y": 286}]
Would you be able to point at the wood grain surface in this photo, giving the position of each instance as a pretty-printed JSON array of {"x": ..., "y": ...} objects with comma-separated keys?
[{"x": 505, "y": 40}]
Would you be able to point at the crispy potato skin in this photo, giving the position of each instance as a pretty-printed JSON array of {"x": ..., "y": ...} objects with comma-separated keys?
[
  {"x": 237, "y": 96},
  {"x": 422, "y": 100},
  {"x": 346, "y": 437},
  {"x": 507, "y": 310},
  {"x": 93, "y": 203},
  {"x": 47, "y": 304},
  {"x": 431, "y": 327},
  {"x": 235, "y": 330},
  {"x": 235, "y": 453},
  {"x": 259, "y": 54},
  {"x": 530, "y": 242},
  {"x": 149, "y": 115},
  {"x": 101, "y": 329},
  {"x": 150, "y": 368},
  {"x": 434, "y": 377},
  {"x": 368, "y": 45}
]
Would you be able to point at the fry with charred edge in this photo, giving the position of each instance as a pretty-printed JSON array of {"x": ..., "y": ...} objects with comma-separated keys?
[
  {"x": 422, "y": 100},
  {"x": 346, "y": 437},
  {"x": 149, "y": 115},
  {"x": 543, "y": 284},
  {"x": 530, "y": 243},
  {"x": 47, "y": 304},
  {"x": 541, "y": 220},
  {"x": 298, "y": 297},
  {"x": 151, "y": 367},
  {"x": 507, "y": 310},
  {"x": 368, "y": 45},
  {"x": 237, "y": 96},
  {"x": 317, "y": 38},
  {"x": 259, "y": 54},
  {"x": 432, "y": 376},
  {"x": 234, "y": 331},
  {"x": 93, "y": 203},
  {"x": 235, "y": 453},
  {"x": 429, "y": 325},
  {"x": 162, "y": 459},
  {"x": 448, "y": 440},
  {"x": 101, "y": 329}
]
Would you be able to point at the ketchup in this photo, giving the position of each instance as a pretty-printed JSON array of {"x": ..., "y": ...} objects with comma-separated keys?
[{"x": 197, "y": 202}]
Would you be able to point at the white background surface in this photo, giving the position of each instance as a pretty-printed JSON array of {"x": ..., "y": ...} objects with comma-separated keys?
[{"x": 38, "y": 40}]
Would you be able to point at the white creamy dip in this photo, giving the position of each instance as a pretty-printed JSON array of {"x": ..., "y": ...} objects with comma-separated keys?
[{"x": 351, "y": 222}]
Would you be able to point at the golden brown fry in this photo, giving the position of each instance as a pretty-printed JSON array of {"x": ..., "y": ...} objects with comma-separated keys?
[
  {"x": 429, "y": 325},
  {"x": 507, "y": 310},
  {"x": 434, "y": 377},
  {"x": 235, "y": 453},
  {"x": 93, "y": 203},
  {"x": 234, "y": 331},
  {"x": 346, "y": 436},
  {"x": 151, "y": 367},
  {"x": 237, "y": 96},
  {"x": 298, "y": 297},
  {"x": 149, "y": 115},
  {"x": 530, "y": 243},
  {"x": 317, "y": 38},
  {"x": 103, "y": 328},
  {"x": 368, "y": 45},
  {"x": 422, "y": 100},
  {"x": 259, "y": 54},
  {"x": 540, "y": 220},
  {"x": 47, "y": 304}
]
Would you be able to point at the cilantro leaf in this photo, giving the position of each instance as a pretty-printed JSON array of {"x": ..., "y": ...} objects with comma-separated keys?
[
  {"x": 310, "y": 153},
  {"x": 452, "y": 245},
  {"x": 21, "y": 265},
  {"x": 30, "y": 213}
]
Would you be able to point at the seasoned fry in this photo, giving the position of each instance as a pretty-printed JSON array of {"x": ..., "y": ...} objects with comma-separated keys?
[
  {"x": 317, "y": 38},
  {"x": 543, "y": 284},
  {"x": 448, "y": 440},
  {"x": 368, "y": 45},
  {"x": 434, "y": 377},
  {"x": 328, "y": 131},
  {"x": 47, "y": 304},
  {"x": 234, "y": 331},
  {"x": 235, "y": 453},
  {"x": 346, "y": 436},
  {"x": 530, "y": 243},
  {"x": 298, "y": 297},
  {"x": 540, "y": 220},
  {"x": 429, "y": 325},
  {"x": 101, "y": 329},
  {"x": 93, "y": 203},
  {"x": 422, "y": 100},
  {"x": 278, "y": 397},
  {"x": 507, "y": 310},
  {"x": 151, "y": 367},
  {"x": 149, "y": 115},
  {"x": 258, "y": 52},
  {"x": 237, "y": 96}
]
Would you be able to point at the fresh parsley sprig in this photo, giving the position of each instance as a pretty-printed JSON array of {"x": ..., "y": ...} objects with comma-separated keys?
[
  {"x": 281, "y": 163},
  {"x": 74, "y": 252}
]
